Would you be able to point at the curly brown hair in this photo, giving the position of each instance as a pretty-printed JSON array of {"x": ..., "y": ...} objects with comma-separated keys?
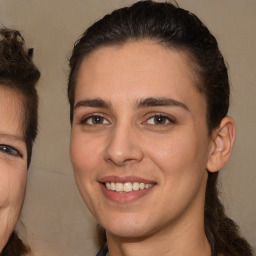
[{"x": 19, "y": 74}]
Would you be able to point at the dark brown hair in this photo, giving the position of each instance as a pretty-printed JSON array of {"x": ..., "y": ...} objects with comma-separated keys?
[
  {"x": 179, "y": 29},
  {"x": 19, "y": 74}
]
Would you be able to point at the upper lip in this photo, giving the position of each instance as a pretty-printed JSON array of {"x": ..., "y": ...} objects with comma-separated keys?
[{"x": 123, "y": 179}]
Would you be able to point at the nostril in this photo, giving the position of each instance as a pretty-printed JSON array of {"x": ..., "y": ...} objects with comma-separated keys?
[
  {"x": 122, "y": 160},
  {"x": 122, "y": 147}
]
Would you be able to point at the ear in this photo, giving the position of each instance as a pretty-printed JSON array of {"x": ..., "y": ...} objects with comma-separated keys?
[{"x": 221, "y": 144}]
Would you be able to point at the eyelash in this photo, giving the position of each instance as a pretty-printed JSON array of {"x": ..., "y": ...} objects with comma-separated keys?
[
  {"x": 9, "y": 150},
  {"x": 88, "y": 120},
  {"x": 167, "y": 120}
]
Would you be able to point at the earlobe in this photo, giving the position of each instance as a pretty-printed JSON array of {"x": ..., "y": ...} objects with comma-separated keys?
[{"x": 221, "y": 145}]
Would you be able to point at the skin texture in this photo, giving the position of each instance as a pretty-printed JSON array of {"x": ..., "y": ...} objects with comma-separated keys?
[
  {"x": 128, "y": 142},
  {"x": 13, "y": 162}
]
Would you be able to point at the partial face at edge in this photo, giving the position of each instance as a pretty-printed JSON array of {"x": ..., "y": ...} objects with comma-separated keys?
[
  {"x": 13, "y": 162},
  {"x": 139, "y": 119}
]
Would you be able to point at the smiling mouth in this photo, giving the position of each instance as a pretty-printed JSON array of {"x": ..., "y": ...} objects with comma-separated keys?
[{"x": 127, "y": 186}]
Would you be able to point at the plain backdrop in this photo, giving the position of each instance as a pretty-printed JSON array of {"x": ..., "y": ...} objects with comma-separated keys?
[{"x": 55, "y": 218}]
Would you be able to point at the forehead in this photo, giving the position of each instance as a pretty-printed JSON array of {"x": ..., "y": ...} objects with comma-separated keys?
[
  {"x": 11, "y": 113},
  {"x": 136, "y": 69}
]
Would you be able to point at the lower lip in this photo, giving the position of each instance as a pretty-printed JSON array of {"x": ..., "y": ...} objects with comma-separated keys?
[{"x": 124, "y": 197}]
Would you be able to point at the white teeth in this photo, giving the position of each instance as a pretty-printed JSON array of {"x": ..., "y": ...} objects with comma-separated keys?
[
  {"x": 136, "y": 186},
  {"x": 113, "y": 186},
  {"x": 148, "y": 185},
  {"x": 119, "y": 187},
  {"x": 127, "y": 186}
]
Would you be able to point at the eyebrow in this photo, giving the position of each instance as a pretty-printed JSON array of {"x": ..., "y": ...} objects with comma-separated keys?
[
  {"x": 161, "y": 102},
  {"x": 93, "y": 103},
  {"x": 147, "y": 102},
  {"x": 15, "y": 137}
]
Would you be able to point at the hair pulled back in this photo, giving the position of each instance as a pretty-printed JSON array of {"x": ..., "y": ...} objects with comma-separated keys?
[
  {"x": 178, "y": 29},
  {"x": 19, "y": 74}
]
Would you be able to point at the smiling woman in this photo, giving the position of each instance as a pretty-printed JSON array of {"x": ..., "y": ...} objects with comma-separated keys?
[
  {"x": 18, "y": 128},
  {"x": 149, "y": 96}
]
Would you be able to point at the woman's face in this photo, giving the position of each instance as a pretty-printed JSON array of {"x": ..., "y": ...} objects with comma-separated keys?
[
  {"x": 139, "y": 143},
  {"x": 13, "y": 162}
]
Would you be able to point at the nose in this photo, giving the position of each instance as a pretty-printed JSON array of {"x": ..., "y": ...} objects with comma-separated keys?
[{"x": 123, "y": 146}]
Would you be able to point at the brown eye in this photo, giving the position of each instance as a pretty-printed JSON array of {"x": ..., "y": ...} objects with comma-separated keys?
[
  {"x": 97, "y": 120},
  {"x": 160, "y": 119},
  {"x": 94, "y": 120}
]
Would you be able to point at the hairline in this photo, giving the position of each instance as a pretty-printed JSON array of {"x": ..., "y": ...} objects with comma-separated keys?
[
  {"x": 182, "y": 49},
  {"x": 21, "y": 101}
]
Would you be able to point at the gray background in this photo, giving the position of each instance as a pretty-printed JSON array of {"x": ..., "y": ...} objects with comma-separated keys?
[{"x": 55, "y": 218}]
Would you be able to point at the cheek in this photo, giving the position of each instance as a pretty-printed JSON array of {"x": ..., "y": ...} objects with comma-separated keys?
[
  {"x": 84, "y": 154},
  {"x": 182, "y": 164},
  {"x": 12, "y": 193},
  {"x": 171, "y": 149},
  {"x": 86, "y": 157},
  {"x": 184, "y": 154},
  {"x": 12, "y": 186}
]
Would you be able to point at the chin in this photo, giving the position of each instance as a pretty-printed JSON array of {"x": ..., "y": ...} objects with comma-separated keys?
[
  {"x": 126, "y": 227},
  {"x": 127, "y": 232}
]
